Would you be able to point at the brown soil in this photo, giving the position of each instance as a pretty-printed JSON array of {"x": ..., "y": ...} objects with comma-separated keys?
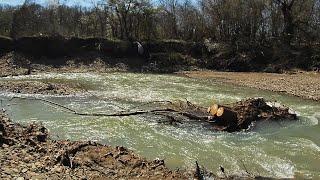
[
  {"x": 15, "y": 64},
  {"x": 301, "y": 84},
  {"x": 28, "y": 153},
  {"x": 35, "y": 87},
  {"x": 10, "y": 67}
]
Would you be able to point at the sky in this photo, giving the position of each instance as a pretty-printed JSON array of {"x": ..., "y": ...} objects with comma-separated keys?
[
  {"x": 42, "y": 2},
  {"x": 86, "y": 3}
]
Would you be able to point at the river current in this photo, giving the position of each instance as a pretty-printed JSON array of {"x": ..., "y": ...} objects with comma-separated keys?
[{"x": 282, "y": 149}]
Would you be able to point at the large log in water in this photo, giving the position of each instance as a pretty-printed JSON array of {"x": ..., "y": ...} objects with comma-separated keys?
[
  {"x": 238, "y": 116},
  {"x": 241, "y": 115},
  {"x": 224, "y": 118}
]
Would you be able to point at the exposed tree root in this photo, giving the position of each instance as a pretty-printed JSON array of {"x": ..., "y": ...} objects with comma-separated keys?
[{"x": 198, "y": 172}]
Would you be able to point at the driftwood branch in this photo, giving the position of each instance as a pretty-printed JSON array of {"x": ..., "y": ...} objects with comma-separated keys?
[
  {"x": 240, "y": 116},
  {"x": 46, "y": 101},
  {"x": 117, "y": 114},
  {"x": 198, "y": 172}
]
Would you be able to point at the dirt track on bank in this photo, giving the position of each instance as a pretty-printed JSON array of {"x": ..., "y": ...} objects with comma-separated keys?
[{"x": 301, "y": 84}]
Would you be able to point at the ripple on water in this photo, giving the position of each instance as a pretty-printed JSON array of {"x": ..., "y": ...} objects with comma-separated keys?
[{"x": 314, "y": 119}]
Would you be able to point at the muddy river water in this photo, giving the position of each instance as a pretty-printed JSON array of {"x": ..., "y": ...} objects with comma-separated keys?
[{"x": 272, "y": 149}]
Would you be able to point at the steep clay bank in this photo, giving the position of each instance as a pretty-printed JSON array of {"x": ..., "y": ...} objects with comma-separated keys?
[{"x": 167, "y": 56}]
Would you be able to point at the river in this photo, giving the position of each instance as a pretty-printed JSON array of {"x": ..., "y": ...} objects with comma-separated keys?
[{"x": 272, "y": 149}]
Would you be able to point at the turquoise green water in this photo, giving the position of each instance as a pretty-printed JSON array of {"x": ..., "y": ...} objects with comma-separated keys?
[{"x": 277, "y": 150}]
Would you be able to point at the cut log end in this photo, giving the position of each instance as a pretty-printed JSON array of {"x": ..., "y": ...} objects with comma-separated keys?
[
  {"x": 220, "y": 111},
  {"x": 213, "y": 109}
]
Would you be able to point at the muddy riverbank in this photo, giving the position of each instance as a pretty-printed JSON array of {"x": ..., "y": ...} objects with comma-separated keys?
[
  {"x": 301, "y": 84},
  {"x": 27, "y": 152},
  {"x": 298, "y": 83},
  {"x": 165, "y": 56},
  {"x": 15, "y": 64},
  {"x": 35, "y": 87}
]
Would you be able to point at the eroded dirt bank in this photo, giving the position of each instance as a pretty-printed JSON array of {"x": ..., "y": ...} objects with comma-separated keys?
[
  {"x": 301, "y": 84},
  {"x": 29, "y": 153},
  {"x": 165, "y": 56},
  {"x": 15, "y": 64},
  {"x": 35, "y": 87}
]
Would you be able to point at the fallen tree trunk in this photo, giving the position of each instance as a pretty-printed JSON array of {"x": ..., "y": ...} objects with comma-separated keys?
[
  {"x": 236, "y": 117},
  {"x": 224, "y": 118}
]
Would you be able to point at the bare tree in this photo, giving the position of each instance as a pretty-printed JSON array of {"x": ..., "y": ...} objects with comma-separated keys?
[
  {"x": 170, "y": 7},
  {"x": 232, "y": 21},
  {"x": 286, "y": 7}
]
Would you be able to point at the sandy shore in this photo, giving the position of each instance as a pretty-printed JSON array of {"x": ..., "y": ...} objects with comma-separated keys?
[{"x": 301, "y": 84}]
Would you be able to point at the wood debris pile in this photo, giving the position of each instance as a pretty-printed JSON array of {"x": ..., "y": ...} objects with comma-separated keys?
[{"x": 235, "y": 117}]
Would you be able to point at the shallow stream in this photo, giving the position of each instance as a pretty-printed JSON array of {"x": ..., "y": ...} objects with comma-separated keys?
[{"x": 278, "y": 150}]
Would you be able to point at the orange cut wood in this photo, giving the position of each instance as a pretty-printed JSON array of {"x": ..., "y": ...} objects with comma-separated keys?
[
  {"x": 220, "y": 111},
  {"x": 213, "y": 109}
]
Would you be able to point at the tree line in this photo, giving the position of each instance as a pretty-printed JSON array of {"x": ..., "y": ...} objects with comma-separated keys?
[{"x": 233, "y": 21}]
